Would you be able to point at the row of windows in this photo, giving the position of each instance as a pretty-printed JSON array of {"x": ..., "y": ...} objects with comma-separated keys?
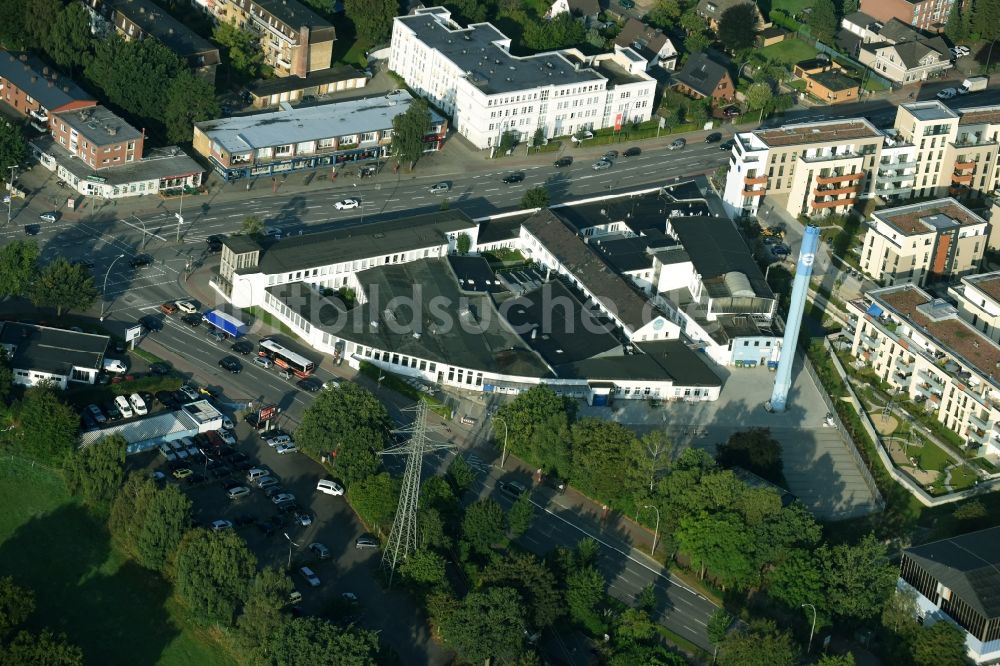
[{"x": 356, "y": 265}]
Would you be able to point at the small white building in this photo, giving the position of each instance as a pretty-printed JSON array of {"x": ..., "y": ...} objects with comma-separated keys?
[
  {"x": 40, "y": 354},
  {"x": 470, "y": 74}
]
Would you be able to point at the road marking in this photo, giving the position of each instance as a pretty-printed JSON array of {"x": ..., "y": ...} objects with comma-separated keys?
[{"x": 144, "y": 232}]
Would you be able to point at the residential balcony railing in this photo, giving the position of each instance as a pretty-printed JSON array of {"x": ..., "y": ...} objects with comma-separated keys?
[
  {"x": 754, "y": 193},
  {"x": 830, "y": 191},
  {"x": 839, "y": 178},
  {"x": 962, "y": 178},
  {"x": 899, "y": 189},
  {"x": 832, "y": 203},
  {"x": 965, "y": 165},
  {"x": 978, "y": 422},
  {"x": 966, "y": 143},
  {"x": 755, "y": 180},
  {"x": 905, "y": 164},
  {"x": 830, "y": 157}
]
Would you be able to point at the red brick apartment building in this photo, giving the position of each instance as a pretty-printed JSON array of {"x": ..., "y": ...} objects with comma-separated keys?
[
  {"x": 35, "y": 90},
  {"x": 97, "y": 136},
  {"x": 924, "y": 14}
]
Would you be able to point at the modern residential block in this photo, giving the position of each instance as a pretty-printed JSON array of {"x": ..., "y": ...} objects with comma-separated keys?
[
  {"x": 292, "y": 139},
  {"x": 978, "y": 300},
  {"x": 920, "y": 345},
  {"x": 294, "y": 39},
  {"x": 923, "y": 243},
  {"x": 470, "y": 74}
]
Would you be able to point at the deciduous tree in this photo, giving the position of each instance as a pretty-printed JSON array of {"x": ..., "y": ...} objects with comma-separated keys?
[
  {"x": 97, "y": 471},
  {"x": 13, "y": 148},
  {"x": 64, "y": 286},
  {"x": 148, "y": 523},
  {"x": 858, "y": 577},
  {"x": 375, "y": 499},
  {"x": 535, "y": 197},
  {"x": 372, "y": 18},
  {"x": 213, "y": 574},
  {"x": 16, "y": 604},
  {"x": 133, "y": 74},
  {"x": 486, "y": 625},
  {"x": 190, "y": 100},
  {"x": 941, "y": 644},
  {"x": 241, "y": 53},
  {"x": 349, "y": 421},
  {"x": 607, "y": 459},
  {"x": 533, "y": 580},
  {"x": 313, "y": 640},
  {"x": 584, "y": 595},
  {"x": 45, "y": 427},
  {"x": 823, "y": 21},
  {"x": 252, "y": 226},
  {"x": 262, "y": 614},
  {"x": 460, "y": 475},
  {"x": 719, "y": 545},
  {"x": 664, "y": 13},
  {"x": 483, "y": 526},
  {"x": 69, "y": 40},
  {"x": 761, "y": 644},
  {"x": 560, "y": 32},
  {"x": 409, "y": 130},
  {"x": 736, "y": 26},
  {"x": 759, "y": 95},
  {"x": 18, "y": 262},
  {"x": 45, "y": 648},
  {"x": 424, "y": 568},
  {"x": 519, "y": 518},
  {"x": 538, "y": 429}
]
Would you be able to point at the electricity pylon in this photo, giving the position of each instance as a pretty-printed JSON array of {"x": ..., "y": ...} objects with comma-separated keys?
[{"x": 403, "y": 537}]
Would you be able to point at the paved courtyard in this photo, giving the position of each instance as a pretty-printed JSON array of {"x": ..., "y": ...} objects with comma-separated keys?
[{"x": 819, "y": 467}]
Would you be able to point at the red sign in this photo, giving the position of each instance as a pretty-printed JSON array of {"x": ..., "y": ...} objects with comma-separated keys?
[
  {"x": 267, "y": 413},
  {"x": 618, "y": 122}
]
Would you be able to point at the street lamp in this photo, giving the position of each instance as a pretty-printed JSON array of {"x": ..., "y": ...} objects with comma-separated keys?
[
  {"x": 656, "y": 530},
  {"x": 290, "y": 544},
  {"x": 811, "y": 631},
  {"x": 10, "y": 197},
  {"x": 137, "y": 219},
  {"x": 104, "y": 291},
  {"x": 503, "y": 454}
]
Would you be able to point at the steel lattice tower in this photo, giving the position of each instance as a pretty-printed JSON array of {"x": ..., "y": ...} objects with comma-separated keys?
[{"x": 403, "y": 537}]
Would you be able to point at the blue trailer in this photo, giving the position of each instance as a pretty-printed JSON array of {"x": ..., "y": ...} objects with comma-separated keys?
[{"x": 226, "y": 323}]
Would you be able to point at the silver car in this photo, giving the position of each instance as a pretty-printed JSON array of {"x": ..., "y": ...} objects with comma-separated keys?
[
  {"x": 440, "y": 187},
  {"x": 601, "y": 165}
]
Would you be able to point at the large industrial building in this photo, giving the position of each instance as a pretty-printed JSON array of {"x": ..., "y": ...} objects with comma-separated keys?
[
  {"x": 470, "y": 75},
  {"x": 623, "y": 297}
]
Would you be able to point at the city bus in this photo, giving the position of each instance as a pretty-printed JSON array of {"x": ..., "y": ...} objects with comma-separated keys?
[{"x": 286, "y": 358}]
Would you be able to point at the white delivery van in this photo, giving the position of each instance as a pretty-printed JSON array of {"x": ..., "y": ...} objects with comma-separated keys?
[
  {"x": 123, "y": 405},
  {"x": 115, "y": 366}
]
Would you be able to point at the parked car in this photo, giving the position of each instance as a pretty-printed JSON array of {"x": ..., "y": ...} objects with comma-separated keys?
[
  {"x": 228, "y": 437},
  {"x": 219, "y": 525},
  {"x": 167, "y": 452},
  {"x": 282, "y": 449},
  {"x": 242, "y": 347},
  {"x": 216, "y": 335},
  {"x": 600, "y": 165},
  {"x": 237, "y": 492},
  {"x": 328, "y": 487},
  {"x": 190, "y": 392},
  {"x": 138, "y": 404},
  {"x": 366, "y": 541},
  {"x": 182, "y": 472},
  {"x": 310, "y": 576},
  {"x": 610, "y": 155},
  {"x": 303, "y": 518},
  {"x": 319, "y": 550},
  {"x": 732, "y": 111},
  {"x": 96, "y": 413},
  {"x": 947, "y": 93},
  {"x": 512, "y": 488},
  {"x": 677, "y": 144},
  {"x": 563, "y": 162},
  {"x": 231, "y": 364},
  {"x": 347, "y": 204},
  {"x": 634, "y": 151},
  {"x": 439, "y": 187},
  {"x": 714, "y": 137},
  {"x": 266, "y": 482},
  {"x": 278, "y": 440},
  {"x": 159, "y": 368},
  {"x": 515, "y": 177},
  {"x": 283, "y": 498},
  {"x": 122, "y": 403}
]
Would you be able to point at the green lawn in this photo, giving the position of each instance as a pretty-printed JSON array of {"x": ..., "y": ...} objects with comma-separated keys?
[
  {"x": 789, "y": 51},
  {"x": 963, "y": 477},
  {"x": 115, "y": 611},
  {"x": 792, "y": 7},
  {"x": 931, "y": 457}
]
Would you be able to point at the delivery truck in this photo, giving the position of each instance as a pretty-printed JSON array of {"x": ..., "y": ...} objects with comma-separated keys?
[
  {"x": 973, "y": 84},
  {"x": 227, "y": 323}
]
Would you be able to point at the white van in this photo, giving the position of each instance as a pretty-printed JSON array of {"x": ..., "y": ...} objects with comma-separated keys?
[
  {"x": 138, "y": 404},
  {"x": 329, "y": 487},
  {"x": 256, "y": 473},
  {"x": 123, "y": 405},
  {"x": 114, "y": 366}
]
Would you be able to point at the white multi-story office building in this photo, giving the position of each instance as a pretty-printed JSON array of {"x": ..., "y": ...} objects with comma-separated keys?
[{"x": 470, "y": 74}]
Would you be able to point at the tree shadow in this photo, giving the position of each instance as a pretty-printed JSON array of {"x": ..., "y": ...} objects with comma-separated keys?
[{"x": 112, "y": 608}]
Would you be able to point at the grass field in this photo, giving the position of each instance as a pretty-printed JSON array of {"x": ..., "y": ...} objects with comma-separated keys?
[
  {"x": 115, "y": 611},
  {"x": 931, "y": 457},
  {"x": 789, "y": 51},
  {"x": 792, "y": 7}
]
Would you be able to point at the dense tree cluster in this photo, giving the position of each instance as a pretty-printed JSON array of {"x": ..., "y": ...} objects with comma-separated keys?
[
  {"x": 59, "y": 284},
  {"x": 19, "y": 645}
]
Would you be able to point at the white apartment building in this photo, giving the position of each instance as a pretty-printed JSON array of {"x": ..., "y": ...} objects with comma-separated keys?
[
  {"x": 922, "y": 346},
  {"x": 807, "y": 169},
  {"x": 978, "y": 300},
  {"x": 816, "y": 168},
  {"x": 923, "y": 242},
  {"x": 470, "y": 74}
]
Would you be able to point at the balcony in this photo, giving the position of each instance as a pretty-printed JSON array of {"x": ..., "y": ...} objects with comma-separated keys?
[
  {"x": 830, "y": 191},
  {"x": 841, "y": 178},
  {"x": 850, "y": 201},
  {"x": 931, "y": 378},
  {"x": 754, "y": 193},
  {"x": 966, "y": 143},
  {"x": 903, "y": 367},
  {"x": 963, "y": 178},
  {"x": 811, "y": 159},
  {"x": 902, "y": 164},
  {"x": 755, "y": 180},
  {"x": 895, "y": 189},
  {"x": 965, "y": 165},
  {"x": 978, "y": 422}
]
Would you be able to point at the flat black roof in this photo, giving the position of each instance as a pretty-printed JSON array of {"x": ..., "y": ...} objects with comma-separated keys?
[
  {"x": 554, "y": 322},
  {"x": 503, "y": 229},
  {"x": 362, "y": 242},
  {"x": 474, "y": 274},
  {"x": 717, "y": 248},
  {"x": 491, "y": 68},
  {"x": 632, "y": 253},
  {"x": 639, "y": 213},
  {"x": 440, "y": 324},
  {"x": 52, "y": 350},
  {"x": 664, "y": 360}
]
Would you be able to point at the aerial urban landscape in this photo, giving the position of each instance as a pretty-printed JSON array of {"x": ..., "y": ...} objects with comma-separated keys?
[{"x": 518, "y": 332}]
